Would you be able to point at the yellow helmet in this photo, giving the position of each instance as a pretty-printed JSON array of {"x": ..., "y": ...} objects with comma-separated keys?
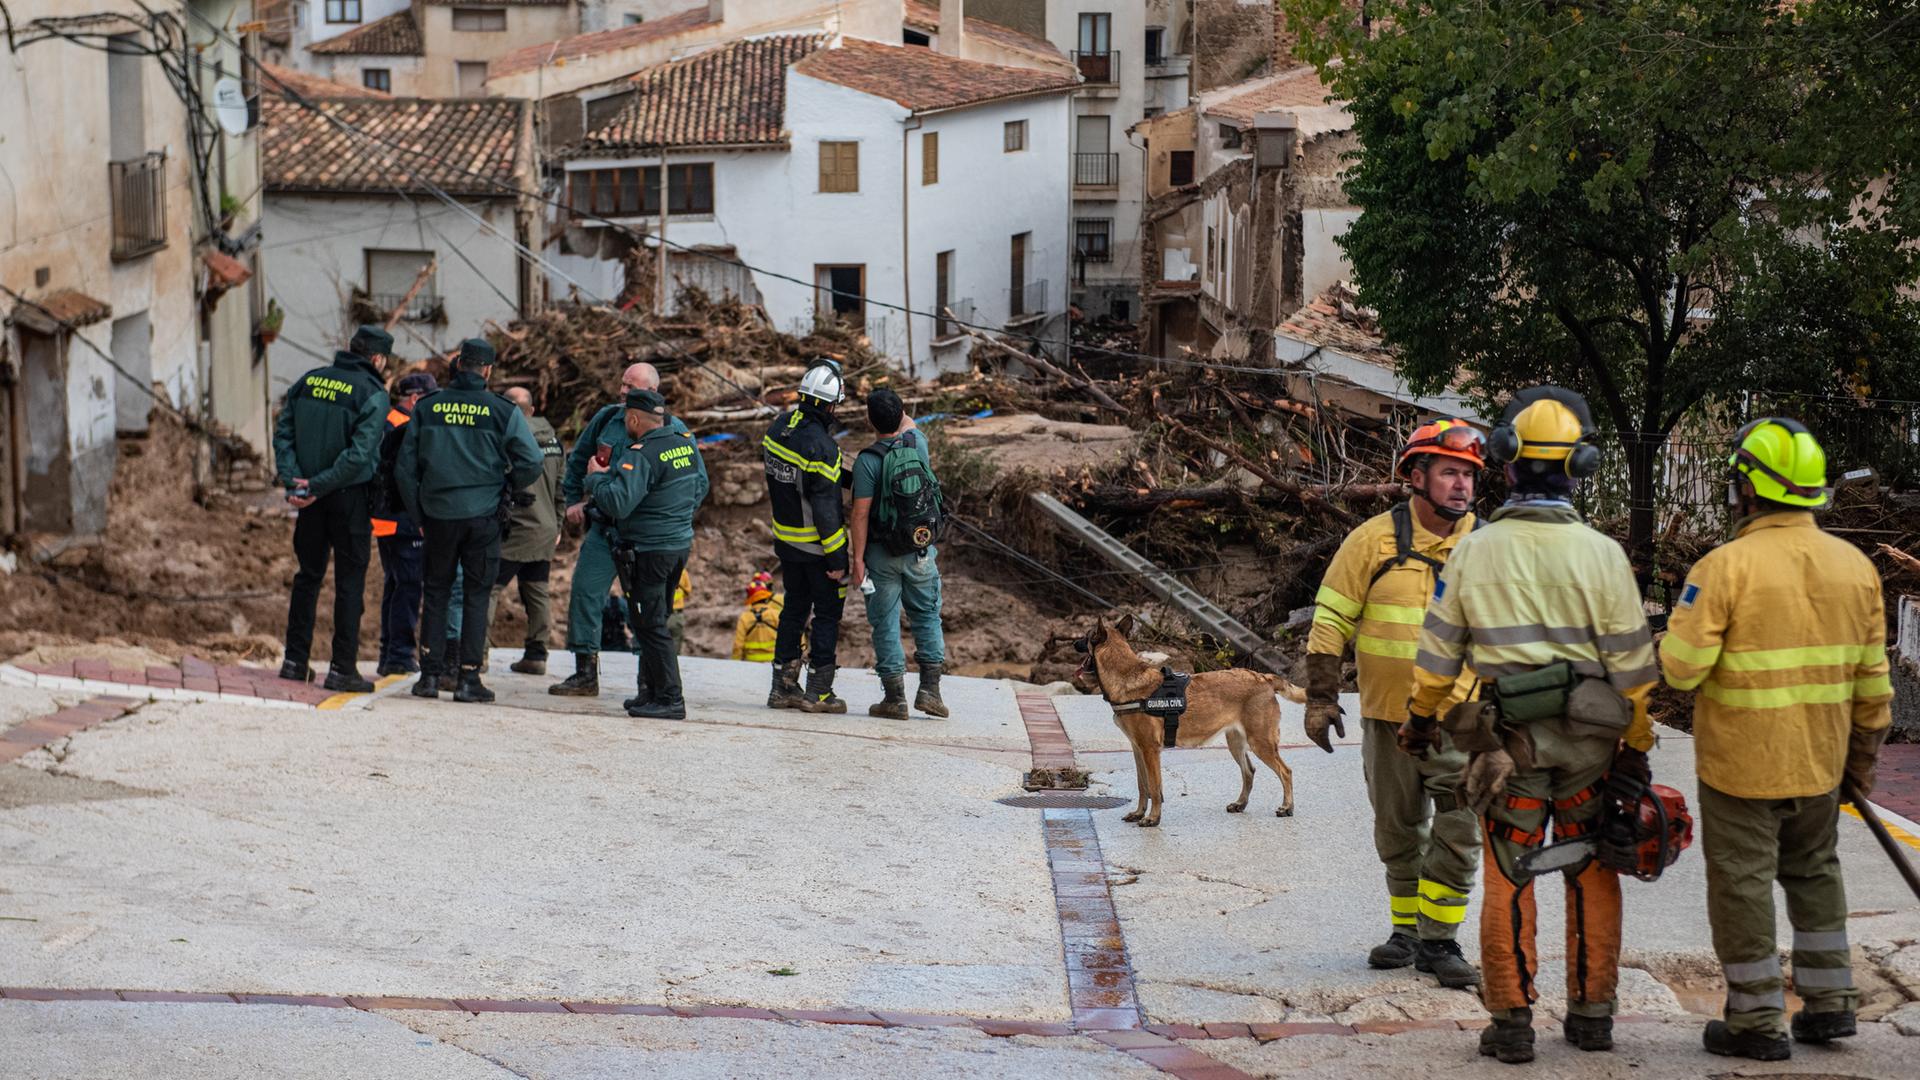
[
  {"x": 1783, "y": 462},
  {"x": 1547, "y": 423}
]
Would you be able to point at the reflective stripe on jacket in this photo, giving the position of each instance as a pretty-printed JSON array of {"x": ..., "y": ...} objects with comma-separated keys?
[
  {"x": 1380, "y": 617},
  {"x": 1782, "y": 633},
  {"x": 803, "y": 489},
  {"x": 1536, "y": 586},
  {"x": 754, "y": 632}
]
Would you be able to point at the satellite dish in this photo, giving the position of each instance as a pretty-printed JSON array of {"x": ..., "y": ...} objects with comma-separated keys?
[{"x": 230, "y": 106}]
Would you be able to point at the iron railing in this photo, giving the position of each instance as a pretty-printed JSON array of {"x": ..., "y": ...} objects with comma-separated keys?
[
  {"x": 425, "y": 306},
  {"x": 139, "y": 193},
  {"x": 1096, "y": 170},
  {"x": 1027, "y": 301},
  {"x": 946, "y": 329},
  {"x": 1100, "y": 68}
]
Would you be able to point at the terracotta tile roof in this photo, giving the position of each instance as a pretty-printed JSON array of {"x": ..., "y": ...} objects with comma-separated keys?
[
  {"x": 310, "y": 86},
  {"x": 1297, "y": 89},
  {"x": 601, "y": 41},
  {"x": 924, "y": 80},
  {"x": 735, "y": 95},
  {"x": 395, "y": 35},
  {"x": 60, "y": 309},
  {"x": 1334, "y": 320},
  {"x": 439, "y": 142},
  {"x": 925, "y": 17}
]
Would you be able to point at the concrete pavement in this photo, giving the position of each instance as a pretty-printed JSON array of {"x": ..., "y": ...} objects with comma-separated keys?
[{"x": 551, "y": 849}]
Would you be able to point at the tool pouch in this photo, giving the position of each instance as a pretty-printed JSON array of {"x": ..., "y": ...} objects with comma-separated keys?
[
  {"x": 1535, "y": 695},
  {"x": 1470, "y": 725},
  {"x": 1595, "y": 708}
]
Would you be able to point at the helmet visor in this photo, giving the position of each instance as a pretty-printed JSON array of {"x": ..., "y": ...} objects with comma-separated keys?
[{"x": 1460, "y": 438}]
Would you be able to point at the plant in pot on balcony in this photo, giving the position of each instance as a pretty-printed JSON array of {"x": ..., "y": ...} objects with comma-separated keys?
[
  {"x": 230, "y": 208},
  {"x": 271, "y": 321}
]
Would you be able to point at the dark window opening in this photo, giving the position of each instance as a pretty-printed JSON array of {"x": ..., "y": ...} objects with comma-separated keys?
[{"x": 1180, "y": 168}]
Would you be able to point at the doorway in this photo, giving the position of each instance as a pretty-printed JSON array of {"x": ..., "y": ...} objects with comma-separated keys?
[
  {"x": 46, "y": 497},
  {"x": 841, "y": 293}
]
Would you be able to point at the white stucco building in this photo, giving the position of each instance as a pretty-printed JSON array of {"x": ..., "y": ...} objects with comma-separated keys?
[
  {"x": 355, "y": 228},
  {"x": 856, "y": 178}
]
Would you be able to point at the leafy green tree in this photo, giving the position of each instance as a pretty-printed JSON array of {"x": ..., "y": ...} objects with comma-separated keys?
[{"x": 1657, "y": 202}]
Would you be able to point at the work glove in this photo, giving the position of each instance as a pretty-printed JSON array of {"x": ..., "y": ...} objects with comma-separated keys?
[
  {"x": 1863, "y": 753},
  {"x": 1627, "y": 780},
  {"x": 1421, "y": 734},
  {"x": 1323, "y": 699},
  {"x": 1484, "y": 779}
]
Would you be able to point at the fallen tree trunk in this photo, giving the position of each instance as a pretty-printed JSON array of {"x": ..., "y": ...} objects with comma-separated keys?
[
  {"x": 1312, "y": 495},
  {"x": 1047, "y": 367}
]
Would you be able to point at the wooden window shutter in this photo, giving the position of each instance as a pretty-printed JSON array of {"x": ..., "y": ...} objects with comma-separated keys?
[{"x": 930, "y": 157}]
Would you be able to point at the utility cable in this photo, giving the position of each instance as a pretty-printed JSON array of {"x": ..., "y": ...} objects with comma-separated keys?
[{"x": 1030, "y": 561}]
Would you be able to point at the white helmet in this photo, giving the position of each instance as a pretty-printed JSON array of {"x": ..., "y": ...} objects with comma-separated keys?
[{"x": 822, "y": 382}]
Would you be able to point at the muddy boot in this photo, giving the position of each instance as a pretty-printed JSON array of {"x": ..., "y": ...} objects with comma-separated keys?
[
  {"x": 819, "y": 696},
  {"x": 1588, "y": 1032},
  {"x": 1509, "y": 1040},
  {"x": 470, "y": 690},
  {"x": 786, "y": 686},
  {"x": 1442, "y": 960},
  {"x": 1758, "y": 1045},
  {"x": 533, "y": 661},
  {"x": 1396, "y": 952},
  {"x": 894, "y": 705},
  {"x": 927, "y": 700},
  {"x": 347, "y": 680},
  {"x": 1823, "y": 1027},
  {"x": 585, "y": 680}
]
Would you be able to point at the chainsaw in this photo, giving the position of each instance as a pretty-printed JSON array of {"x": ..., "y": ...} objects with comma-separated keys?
[{"x": 1641, "y": 838}]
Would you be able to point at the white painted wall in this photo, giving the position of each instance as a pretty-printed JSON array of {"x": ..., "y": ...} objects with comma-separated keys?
[
  {"x": 1124, "y": 105},
  {"x": 1323, "y": 262},
  {"x": 316, "y": 253},
  {"x": 317, "y": 27},
  {"x": 768, "y": 207}
]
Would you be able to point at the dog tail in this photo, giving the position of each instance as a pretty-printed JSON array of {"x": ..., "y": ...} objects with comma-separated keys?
[{"x": 1286, "y": 689}]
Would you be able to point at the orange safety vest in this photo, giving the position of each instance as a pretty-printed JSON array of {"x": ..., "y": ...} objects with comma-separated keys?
[{"x": 388, "y": 526}]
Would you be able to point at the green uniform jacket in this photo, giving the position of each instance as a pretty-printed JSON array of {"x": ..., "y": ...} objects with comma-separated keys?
[
  {"x": 330, "y": 426},
  {"x": 607, "y": 428},
  {"x": 652, "y": 490},
  {"x": 536, "y": 528},
  {"x": 464, "y": 448}
]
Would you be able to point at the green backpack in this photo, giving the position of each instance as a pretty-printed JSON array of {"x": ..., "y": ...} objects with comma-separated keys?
[{"x": 906, "y": 502}]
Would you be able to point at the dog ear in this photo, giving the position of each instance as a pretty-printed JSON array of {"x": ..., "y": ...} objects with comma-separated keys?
[{"x": 1126, "y": 625}]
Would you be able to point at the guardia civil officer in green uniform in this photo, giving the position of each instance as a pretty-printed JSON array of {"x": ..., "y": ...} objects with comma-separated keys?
[
  {"x": 326, "y": 445},
  {"x": 646, "y": 497},
  {"x": 593, "y": 571},
  {"x": 465, "y": 451}
]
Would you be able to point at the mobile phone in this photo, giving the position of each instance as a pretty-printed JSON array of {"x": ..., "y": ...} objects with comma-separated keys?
[{"x": 603, "y": 456}]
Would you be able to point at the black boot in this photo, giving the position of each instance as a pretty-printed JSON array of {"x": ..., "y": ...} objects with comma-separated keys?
[
  {"x": 428, "y": 685},
  {"x": 786, "y": 686},
  {"x": 927, "y": 699},
  {"x": 450, "y": 666},
  {"x": 1823, "y": 1027},
  {"x": 819, "y": 697},
  {"x": 657, "y": 709},
  {"x": 296, "y": 672},
  {"x": 1396, "y": 952},
  {"x": 1720, "y": 1039},
  {"x": 396, "y": 667},
  {"x": 470, "y": 689},
  {"x": 533, "y": 661},
  {"x": 894, "y": 705},
  {"x": 1443, "y": 960},
  {"x": 1588, "y": 1032},
  {"x": 1509, "y": 1040},
  {"x": 585, "y": 680},
  {"x": 347, "y": 680},
  {"x": 641, "y": 696}
]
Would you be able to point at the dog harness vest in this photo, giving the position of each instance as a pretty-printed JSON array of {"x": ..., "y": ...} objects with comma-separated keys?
[{"x": 1168, "y": 702}]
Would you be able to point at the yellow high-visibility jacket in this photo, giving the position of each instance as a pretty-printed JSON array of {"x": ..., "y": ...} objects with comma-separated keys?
[
  {"x": 1381, "y": 618},
  {"x": 754, "y": 632},
  {"x": 1534, "y": 587},
  {"x": 1783, "y": 632},
  {"x": 681, "y": 589}
]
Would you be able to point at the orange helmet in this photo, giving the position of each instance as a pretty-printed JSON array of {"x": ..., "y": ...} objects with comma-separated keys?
[
  {"x": 1443, "y": 437},
  {"x": 760, "y": 587}
]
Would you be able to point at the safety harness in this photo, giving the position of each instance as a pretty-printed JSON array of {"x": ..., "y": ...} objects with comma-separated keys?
[{"x": 1402, "y": 515}]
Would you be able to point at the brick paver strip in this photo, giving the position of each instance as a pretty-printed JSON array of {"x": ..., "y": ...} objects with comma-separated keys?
[
  {"x": 1048, "y": 737},
  {"x": 1897, "y": 784},
  {"x": 40, "y": 993},
  {"x": 175, "y": 997},
  {"x": 616, "y": 1008},
  {"x": 489, "y": 1005},
  {"x": 316, "y": 1001},
  {"x": 424, "y": 1004},
  {"x": 832, "y": 1016},
  {"x": 24, "y": 738}
]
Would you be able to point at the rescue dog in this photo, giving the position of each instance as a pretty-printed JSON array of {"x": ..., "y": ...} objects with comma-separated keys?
[{"x": 1236, "y": 702}]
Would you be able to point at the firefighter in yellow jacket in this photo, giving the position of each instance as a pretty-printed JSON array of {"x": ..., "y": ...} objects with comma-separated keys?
[
  {"x": 1781, "y": 633},
  {"x": 1547, "y": 611},
  {"x": 759, "y": 625},
  {"x": 1375, "y": 595}
]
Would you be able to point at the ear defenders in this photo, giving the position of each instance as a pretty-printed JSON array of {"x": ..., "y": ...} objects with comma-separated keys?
[{"x": 1578, "y": 457}]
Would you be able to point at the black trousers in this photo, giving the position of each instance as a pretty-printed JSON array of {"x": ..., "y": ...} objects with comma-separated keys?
[
  {"x": 336, "y": 525},
  {"x": 470, "y": 546},
  {"x": 809, "y": 592},
  {"x": 400, "y": 562},
  {"x": 648, "y": 578}
]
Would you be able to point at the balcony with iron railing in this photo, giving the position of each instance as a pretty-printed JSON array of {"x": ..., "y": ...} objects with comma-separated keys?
[
  {"x": 951, "y": 321},
  {"x": 1098, "y": 68},
  {"x": 139, "y": 193},
  {"x": 424, "y": 306},
  {"x": 1096, "y": 170},
  {"x": 1027, "y": 303}
]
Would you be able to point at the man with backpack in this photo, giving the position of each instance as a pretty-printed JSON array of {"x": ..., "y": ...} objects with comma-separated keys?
[
  {"x": 1375, "y": 595},
  {"x": 896, "y": 519}
]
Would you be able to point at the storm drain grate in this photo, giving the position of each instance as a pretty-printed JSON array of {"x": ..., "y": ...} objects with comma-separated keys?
[{"x": 1063, "y": 802}]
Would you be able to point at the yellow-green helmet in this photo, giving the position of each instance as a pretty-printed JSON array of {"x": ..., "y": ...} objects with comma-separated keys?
[{"x": 1783, "y": 462}]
